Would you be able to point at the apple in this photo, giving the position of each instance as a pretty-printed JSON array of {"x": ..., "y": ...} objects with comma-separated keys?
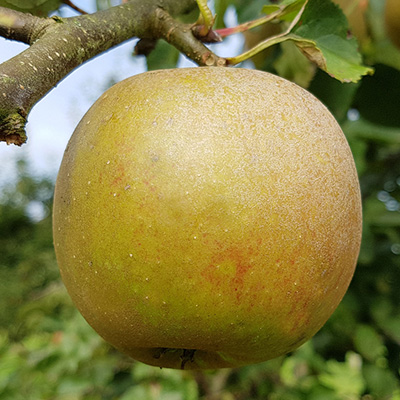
[
  {"x": 207, "y": 217},
  {"x": 392, "y": 21},
  {"x": 356, "y": 13}
]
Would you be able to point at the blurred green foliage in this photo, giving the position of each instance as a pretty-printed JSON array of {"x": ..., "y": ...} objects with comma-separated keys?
[{"x": 47, "y": 350}]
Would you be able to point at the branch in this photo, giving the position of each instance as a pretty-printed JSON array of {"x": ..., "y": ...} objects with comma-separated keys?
[
  {"x": 60, "y": 45},
  {"x": 20, "y": 26},
  {"x": 182, "y": 37}
]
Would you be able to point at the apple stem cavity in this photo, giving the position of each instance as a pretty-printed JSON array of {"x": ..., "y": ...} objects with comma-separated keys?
[{"x": 187, "y": 354}]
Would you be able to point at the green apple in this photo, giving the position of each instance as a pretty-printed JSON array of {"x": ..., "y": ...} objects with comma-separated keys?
[
  {"x": 207, "y": 217},
  {"x": 392, "y": 20}
]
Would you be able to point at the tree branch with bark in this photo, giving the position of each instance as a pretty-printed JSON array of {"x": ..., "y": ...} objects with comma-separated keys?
[{"x": 59, "y": 45}]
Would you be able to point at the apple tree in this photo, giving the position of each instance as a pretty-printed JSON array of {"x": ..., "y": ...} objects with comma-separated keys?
[{"x": 343, "y": 52}]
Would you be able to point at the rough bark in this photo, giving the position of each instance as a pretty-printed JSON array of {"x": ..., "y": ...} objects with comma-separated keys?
[{"x": 59, "y": 45}]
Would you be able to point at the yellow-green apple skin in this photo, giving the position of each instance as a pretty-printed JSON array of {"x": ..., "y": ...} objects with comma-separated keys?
[
  {"x": 392, "y": 20},
  {"x": 207, "y": 217}
]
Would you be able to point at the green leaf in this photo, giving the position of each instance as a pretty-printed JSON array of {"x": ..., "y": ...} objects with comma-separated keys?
[
  {"x": 319, "y": 29},
  {"x": 344, "y": 377},
  {"x": 289, "y": 9},
  {"x": 220, "y": 10},
  {"x": 386, "y": 316},
  {"x": 321, "y": 34},
  {"x": 9, "y": 366},
  {"x": 162, "y": 57},
  {"x": 320, "y": 392},
  {"x": 247, "y": 11},
  {"x": 368, "y": 343},
  {"x": 380, "y": 382},
  {"x": 292, "y": 65},
  {"x": 391, "y": 327},
  {"x": 136, "y": 392},
  {"x": 73, "y": 385},
  {"x": 36, "y": 7}
]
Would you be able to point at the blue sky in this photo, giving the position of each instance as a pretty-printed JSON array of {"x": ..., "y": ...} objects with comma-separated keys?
[{"x": 52, "y": 120}]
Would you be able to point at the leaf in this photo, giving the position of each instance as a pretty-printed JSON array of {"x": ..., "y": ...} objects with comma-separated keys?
[
  {"x": 381, "y": 382},
  {"x": 319, "y": 29},
  {"x": 368, "y": 343},
  {"x": 9, "y": 366},
  {"x": 391, "y": 327},
  {"x": 36, "y": 7},
  {"x": 247, "y": 11},
  {"x": 344, "y": 377},
  {"x": 289, "y": 9},
  {"x": 74, "y": 385},
  {"x": 220, "y": 10},
  {"x": 162, "y": 57},
  {"x": 321, "y": 34},
  {"x": 292, "y": 65}
]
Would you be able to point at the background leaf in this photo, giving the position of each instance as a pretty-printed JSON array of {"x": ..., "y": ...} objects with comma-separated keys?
[
  {"x": 163, "y": 56},
  {"x": 40, "y": 8},
  {"x": 322, "y": 35},
  {"x": 368, "y": 343}
]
